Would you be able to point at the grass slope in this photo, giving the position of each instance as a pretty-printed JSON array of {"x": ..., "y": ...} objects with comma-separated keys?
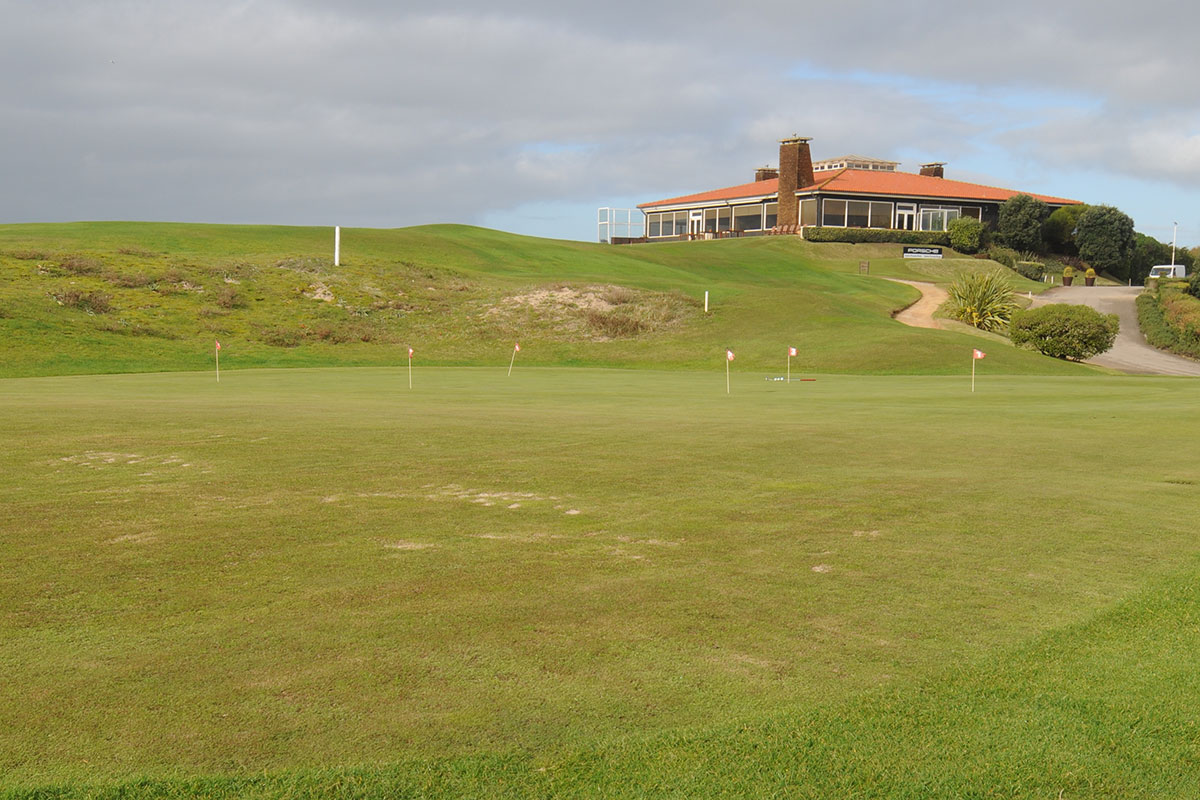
[
  {"x": 455, "y": 294},
  {"x": 318, "y": 583}
]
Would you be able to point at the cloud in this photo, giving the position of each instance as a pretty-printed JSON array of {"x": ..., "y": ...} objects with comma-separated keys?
[{"x": 378, "y": 113}]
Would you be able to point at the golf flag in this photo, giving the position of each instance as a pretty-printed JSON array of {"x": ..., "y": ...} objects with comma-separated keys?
[
  {"x": 516, "y": 349},
  {"x": 728, "y": 358},
  {"x": 218, "y": 345},
  {"x": 729, "y": 355},
  {"x": 217, "y": 356},
  {"x": 410, "y": 354},
  {"x": 791, "y": 351},
  {"x": 976, "y": 354}
]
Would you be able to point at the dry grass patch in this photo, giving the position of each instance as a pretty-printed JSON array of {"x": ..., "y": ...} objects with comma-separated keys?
[{"x": 597, "y": 312}]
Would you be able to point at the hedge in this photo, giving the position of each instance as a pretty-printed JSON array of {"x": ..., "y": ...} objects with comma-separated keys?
[
  {"x": 1158, "y": 329},
  {"x": 875, "y": 235}
]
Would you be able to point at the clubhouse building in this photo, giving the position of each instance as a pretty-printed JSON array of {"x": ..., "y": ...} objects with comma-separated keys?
[{"x": 845, "y": 192}]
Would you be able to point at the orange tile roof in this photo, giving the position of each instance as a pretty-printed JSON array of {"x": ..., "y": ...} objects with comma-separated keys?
[{"x": 871, "y": 182}]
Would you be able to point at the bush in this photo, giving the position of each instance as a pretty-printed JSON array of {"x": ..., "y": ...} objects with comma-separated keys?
[
  {"x": 1064, "y": 331},
  {"x": 1059, "y": 229},
  {"x": 966, "y": 234},
  {"x": 228, "y": 297},
  {"x": 1193, "y": 287},
  {"x": 1004, "y": 255},
  {"x": 134, "y": 281},
  {"x": 863, "y": 235},
  {"x": 1160, "y": 331},
  {"x": 81, "y": 265},
  {"x": 982, "y": 299},
  {"x": 91, "y": 302},
  {"x": 1021, "y": 218},
  {"x": 1033, "y": 270}
]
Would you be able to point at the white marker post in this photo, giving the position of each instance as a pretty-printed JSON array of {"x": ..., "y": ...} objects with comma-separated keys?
[
  {"x": 410, "y": 355},
  {"x": 516, "y": 349},
  {"x": 728, "y": 358},
  {"x": 217, "y": 355},
  {"x": 976, "y": 354},
  {"x": 791, "y": 352},
  {"x": 705, "y": 301},
  {"x": 337, "y": 245}
]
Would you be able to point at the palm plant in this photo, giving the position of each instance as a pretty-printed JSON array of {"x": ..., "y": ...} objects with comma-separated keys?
[{"x": 982, "y": 299}]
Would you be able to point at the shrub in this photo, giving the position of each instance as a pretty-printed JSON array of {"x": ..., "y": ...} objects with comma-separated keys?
[
  {"x": 982, "y": 299},
  {"x": 81, "y": 265},
  {"x": 878, "y": 235},
  {"x": 1004, "y": 255},
  {"x": 1106, "y": 241},
  {"x": 1021, "y": 218},
  {"x": 282, "y": 337},
  {"x": 134, "y": 281},
  {"x": 966, "y": 234},
  {"x": 1059, "y": 229},
  {"x": 1193, "y": 287},
  {"x": 1064, "y": 331},
  {"x": 228, "y": 297},
  {"x": 1034, "y": 270},
  {"x": 1160, "y": 331},
  {"x": 92, "y": 302}
]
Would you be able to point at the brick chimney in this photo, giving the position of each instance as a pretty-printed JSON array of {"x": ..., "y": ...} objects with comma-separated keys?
[
  {"x": 765, "y": 174},
  {"x": 795, "y": 172},
  {"x": 934, "y": 170}
]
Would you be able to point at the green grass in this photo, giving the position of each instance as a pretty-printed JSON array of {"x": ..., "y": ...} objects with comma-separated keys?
[
  {"x": 455, "y": 294},
  {"x": 292, "y": 584}
]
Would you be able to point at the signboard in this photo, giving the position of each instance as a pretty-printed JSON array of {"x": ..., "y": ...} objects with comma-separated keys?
[{"x": 911, "y": 251}]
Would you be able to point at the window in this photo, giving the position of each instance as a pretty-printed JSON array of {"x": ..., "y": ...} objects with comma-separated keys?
[
  {"x": 724, "y": 220},
  {"x": 833, "y": 213},
  {"x": 881, "y": 215},
  {"x": 937, "y": 218},
  {"x": 972, "y": 211},
  {"x": 771, "y": 215},
  {"x": 681, "y": 222},
  {"x": 858, "y": 213},
  {"x": 655, "y": 221},
  {"x": 808, "y": 212},
  {"x": 748, "y": 218},
  {"x": 710, "y": 220}
]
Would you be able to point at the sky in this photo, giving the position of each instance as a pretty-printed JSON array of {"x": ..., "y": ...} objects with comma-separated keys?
[{"x": 528, "y": 116}]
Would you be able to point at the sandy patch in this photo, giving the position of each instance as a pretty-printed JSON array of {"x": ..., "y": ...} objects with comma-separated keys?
[
  {"x": 133, "y": 538},
  {"x": 102, "y": 459},
  {"x": 402, "y": 545},
  {"x": 589, "y": 298},
  {"x": 319, "y": 291},
  {"x": 866, "y": 534},
  {"x": 822, "y": 568}
]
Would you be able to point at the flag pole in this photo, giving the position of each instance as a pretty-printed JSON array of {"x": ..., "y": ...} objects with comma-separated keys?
[
  {"x": 513, "y": 360},
  {"x": 973, "y": 360},
  {"x": 789, "y": 380},
  {"x": 410, "y": 355},
  {"x": 217, "y": 355},
  {"x": 727, "y": 374}
]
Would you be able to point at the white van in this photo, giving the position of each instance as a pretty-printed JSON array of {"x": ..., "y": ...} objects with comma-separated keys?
[{"x": 1168, "y": 271}]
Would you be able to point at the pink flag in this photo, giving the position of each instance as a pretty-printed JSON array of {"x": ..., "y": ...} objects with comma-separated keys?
[
  {"x": 517, "y": 347},
  {"x": 791, "y": 351},
  {"x": 729, "y": 355},
  {"x": 978, "y": 354},
  {"x": 410, "y": 353},
  {"x": 218, "y": 345}
]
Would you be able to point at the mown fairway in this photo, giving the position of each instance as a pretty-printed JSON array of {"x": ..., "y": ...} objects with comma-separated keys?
[{"x": 318, "y": 582}]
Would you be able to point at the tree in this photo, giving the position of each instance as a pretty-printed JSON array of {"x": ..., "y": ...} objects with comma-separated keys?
[
  {"x": 1146, "y": 253},
  {"x": 1106, "y": 241},
  {"x": 1021, "y": 218},
  {"x": 1064, "y": 331},
  {"x": 966, "y": 234},
  {"x": 1059, "y": 229}
]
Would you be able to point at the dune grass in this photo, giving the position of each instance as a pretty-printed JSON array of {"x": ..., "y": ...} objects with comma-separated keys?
[
  {"x": 592, "y": 583},
  {"x": 152, "y": 297}
]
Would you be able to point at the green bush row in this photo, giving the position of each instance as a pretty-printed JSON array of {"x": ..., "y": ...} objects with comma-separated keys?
[
  {"x": 875, "y": 235},
  {"x": 1160, "y": 332}
]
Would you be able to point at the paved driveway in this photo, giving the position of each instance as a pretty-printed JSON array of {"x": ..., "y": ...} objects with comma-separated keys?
[{"x": 1130, "y": 353}]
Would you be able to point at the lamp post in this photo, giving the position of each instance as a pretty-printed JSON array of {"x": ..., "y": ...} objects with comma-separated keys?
[{"x": 1174, "y": 231}]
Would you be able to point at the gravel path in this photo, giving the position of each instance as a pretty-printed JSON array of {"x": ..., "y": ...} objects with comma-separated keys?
[{"x": 1130, "y": 353}]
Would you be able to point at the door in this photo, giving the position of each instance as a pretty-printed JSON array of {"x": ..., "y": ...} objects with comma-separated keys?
[
  {"x": 695, "y": 224},
  {"x": 906, "y": 216}
]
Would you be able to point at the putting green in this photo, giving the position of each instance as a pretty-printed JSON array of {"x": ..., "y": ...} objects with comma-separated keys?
[{"x": 297, "y": 569}]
